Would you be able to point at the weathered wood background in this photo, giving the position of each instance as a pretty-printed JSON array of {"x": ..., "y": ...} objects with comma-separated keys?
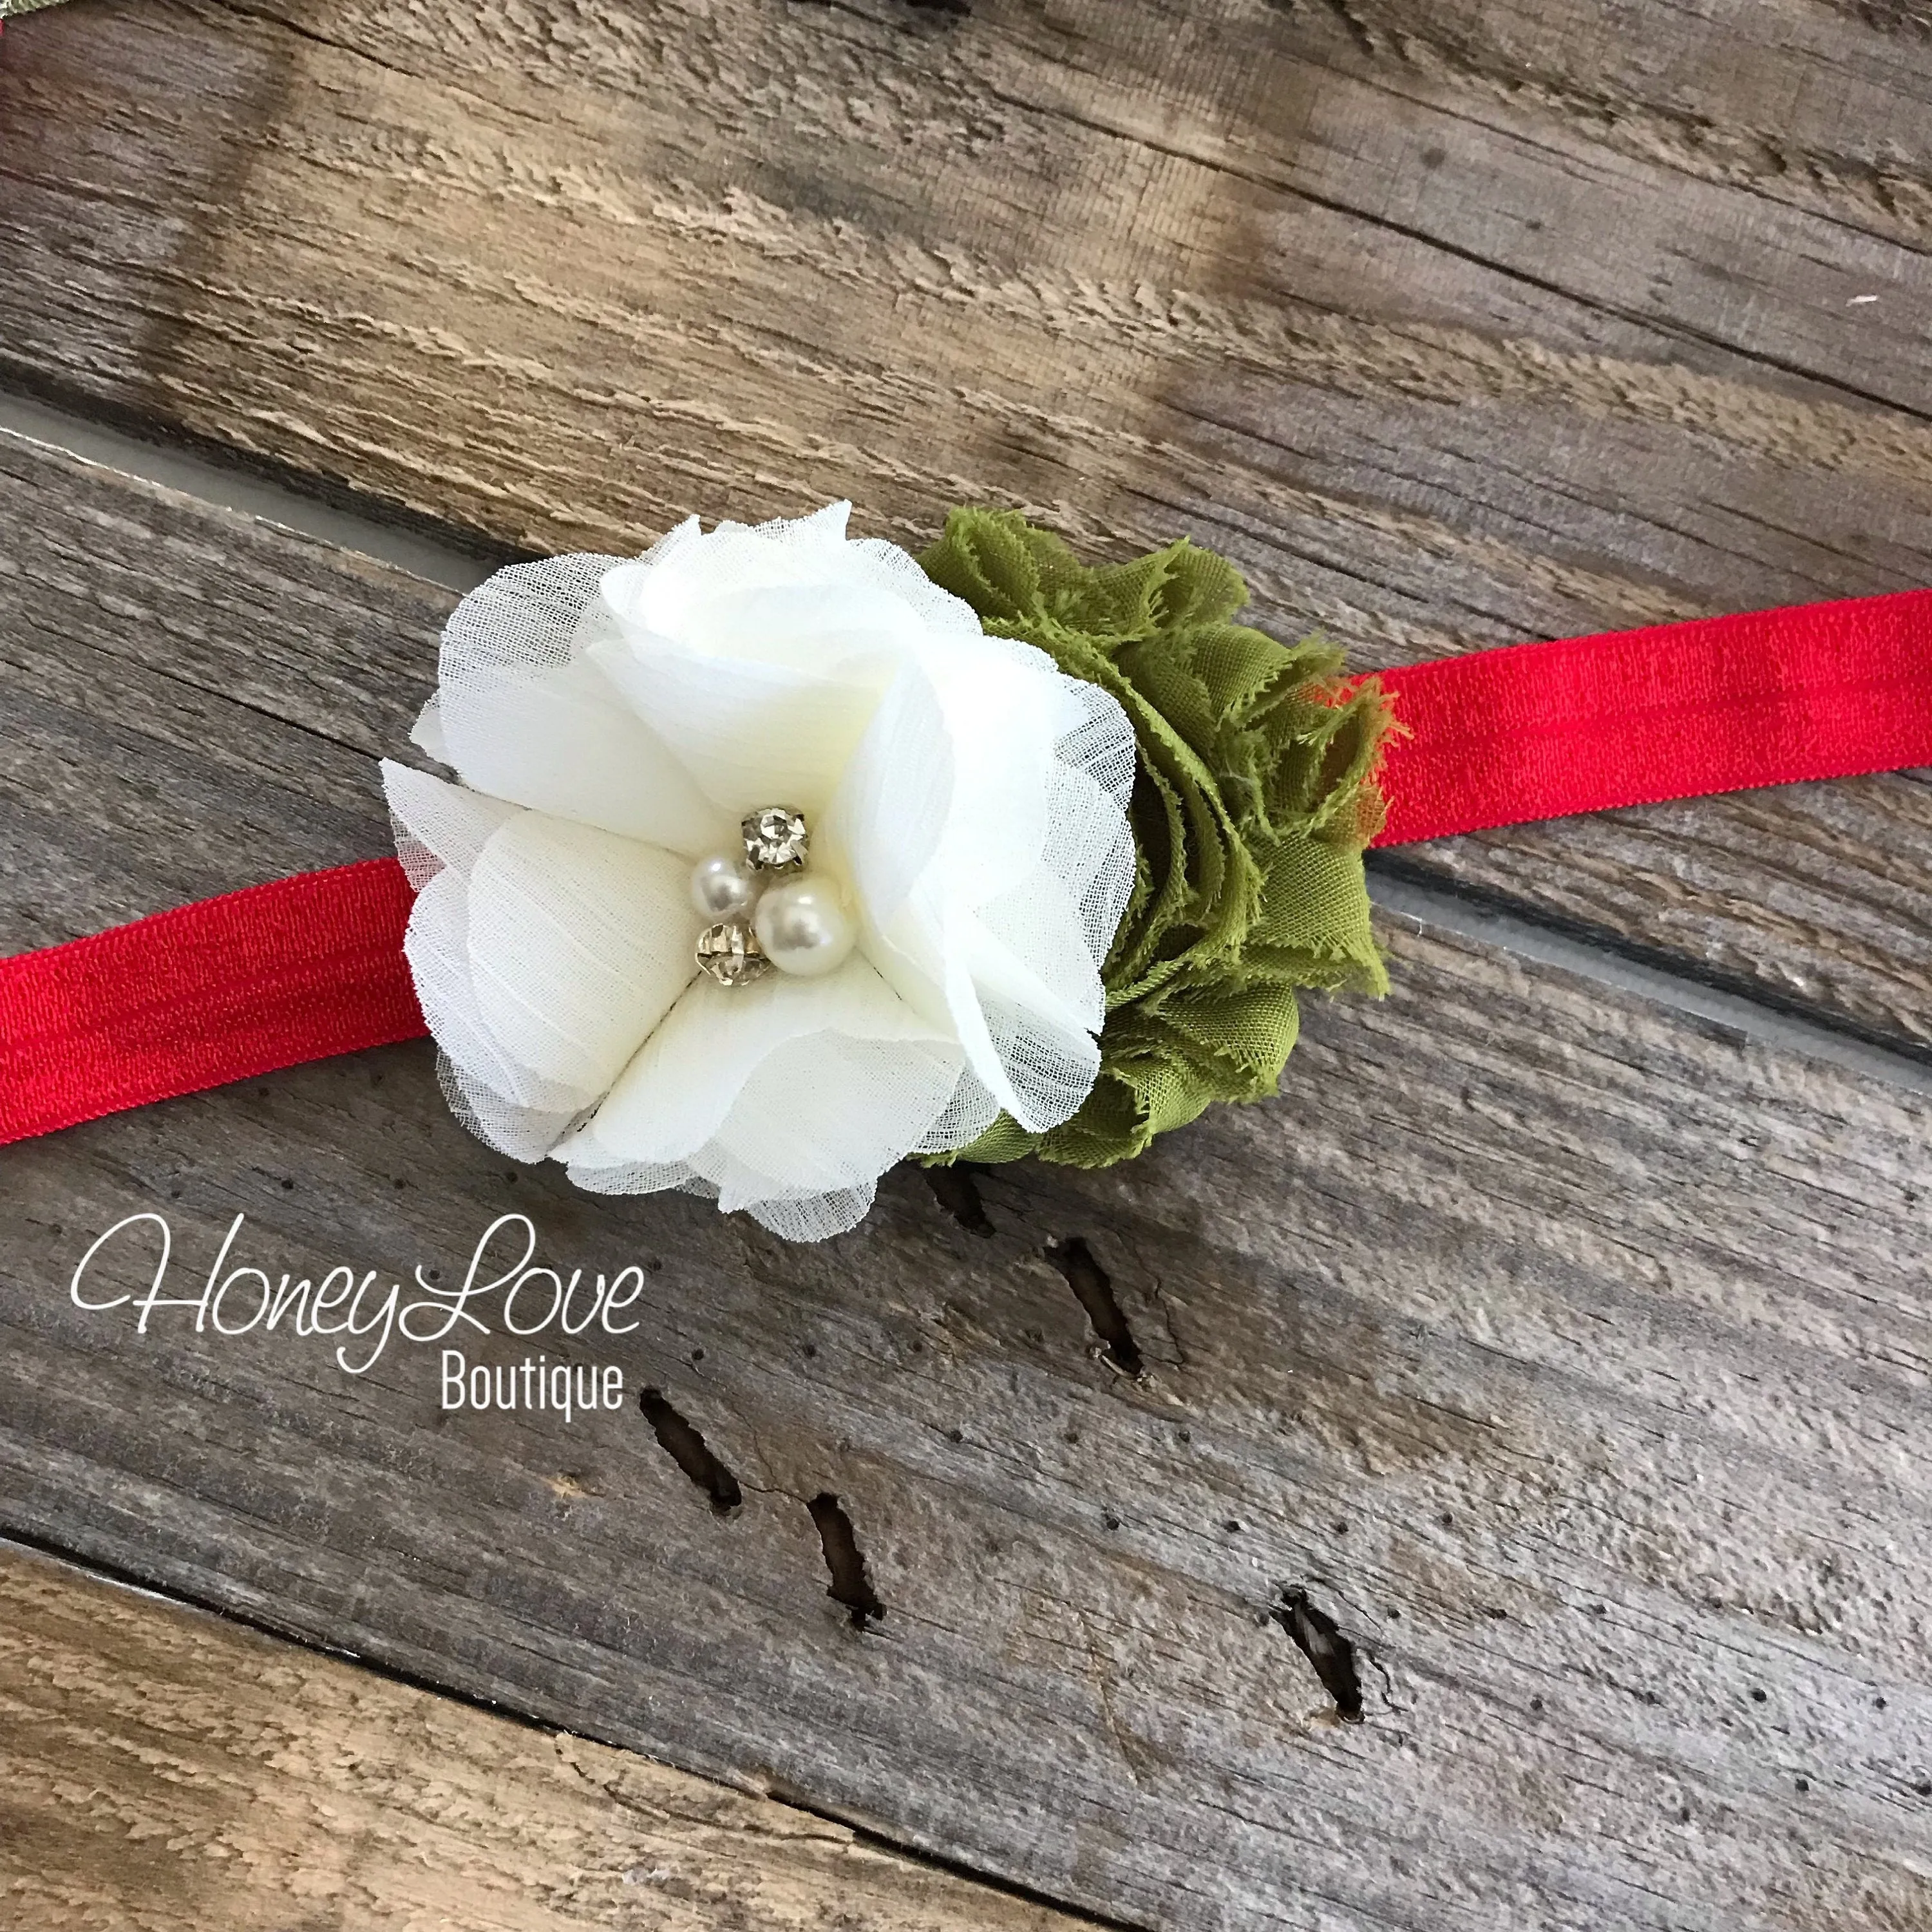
[
  {"x": 1453, "y": 321},
  {"x": 172, "y": 1772},
  {"x": 1571, "y": 1354}
]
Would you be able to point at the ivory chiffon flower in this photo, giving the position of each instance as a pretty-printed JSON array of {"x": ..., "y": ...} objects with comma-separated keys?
[{"x": 613, "y": 722}]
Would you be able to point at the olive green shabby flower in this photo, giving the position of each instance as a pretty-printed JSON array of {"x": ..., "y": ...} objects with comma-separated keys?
[{"x": 1255, "y": 798}]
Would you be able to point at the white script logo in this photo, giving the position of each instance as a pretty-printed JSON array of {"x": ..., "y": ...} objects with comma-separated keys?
[{"x": 523, "y": 1299}]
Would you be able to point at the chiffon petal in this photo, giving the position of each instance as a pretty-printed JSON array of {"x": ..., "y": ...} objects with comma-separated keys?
[
  {"x": 580, "y": 943},
  {"x": 676, "y": 1096}
]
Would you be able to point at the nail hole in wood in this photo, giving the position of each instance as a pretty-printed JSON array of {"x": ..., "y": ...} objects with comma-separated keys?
[
  {"x": 851, "y": 1586},
  {"x": 1324, "y": 1646},
  {"x": 1094, "y": 1290},
  {"x": 687, "y": 1449},
  {"x": 955, "y": 1190}
]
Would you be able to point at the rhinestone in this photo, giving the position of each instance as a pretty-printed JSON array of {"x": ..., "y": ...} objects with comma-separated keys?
[
  {"x": 775, "y": 838},
  {"x": 731, "y": 954}
]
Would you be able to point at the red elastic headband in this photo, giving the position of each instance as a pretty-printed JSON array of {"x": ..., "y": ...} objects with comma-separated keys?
[{"x": 313, "y": 966}]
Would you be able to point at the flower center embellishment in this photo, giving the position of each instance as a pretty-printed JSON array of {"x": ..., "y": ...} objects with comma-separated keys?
[{"x": 797, "y": 924}]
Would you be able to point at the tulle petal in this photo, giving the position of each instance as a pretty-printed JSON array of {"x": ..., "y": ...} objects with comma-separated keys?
[
  {"x": 427, "y": 731},
  {"x": 982, "y": 818},
  {"x": 759, "y": 656},
  {"x": 523, "y": 714},
  {"x": 513, "y": 1109},
  {"x": 543, "y": 952},
  {"x": 660, "y": 591},
  {"x": 885, "y": 822},
  {"x": 438, "y": 824}
]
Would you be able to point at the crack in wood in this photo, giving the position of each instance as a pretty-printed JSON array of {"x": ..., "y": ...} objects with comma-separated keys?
[
  {"x": 1330, "y": 1653},
  {"x": 1094, "y": 1288},
  {"x": 851, "y": 1587},
  {"x": 689, "y": 1450},
  {"x": 956, "y": 1190}
]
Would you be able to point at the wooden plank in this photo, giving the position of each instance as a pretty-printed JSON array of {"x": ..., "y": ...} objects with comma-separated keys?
[
  {"x": 1566, "y": 1354},
  {"x": 1453, "y": 324},
  {"x": 194, "y": 703},
  {"x": 166, "y": 1769}
]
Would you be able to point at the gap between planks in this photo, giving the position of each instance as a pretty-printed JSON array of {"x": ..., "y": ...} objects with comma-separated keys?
[{"x": 441, "y": 559}]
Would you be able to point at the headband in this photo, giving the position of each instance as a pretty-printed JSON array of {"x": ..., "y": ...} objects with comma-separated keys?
[{"x": 773, "y": 857}]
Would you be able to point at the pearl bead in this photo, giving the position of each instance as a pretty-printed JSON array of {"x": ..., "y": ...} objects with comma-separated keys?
[
  {"x": 723, "y": 887},
  {"x": 805, "y": 928}
]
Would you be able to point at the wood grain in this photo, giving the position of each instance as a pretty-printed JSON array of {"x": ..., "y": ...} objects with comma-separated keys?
[
  {"x": 1570, "y": 1355},
  {"x": 1453, "y": 324},
  {"x": 168, "y": 1772}
]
